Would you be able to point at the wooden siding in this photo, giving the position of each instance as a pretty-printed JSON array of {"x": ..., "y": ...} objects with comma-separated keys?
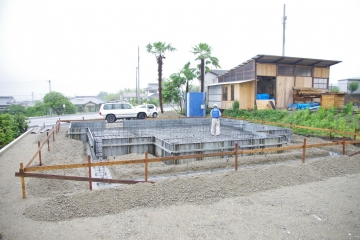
[
  {"x": 303, "y": 82},
  {"x": 332, "y": 100},
  {"x": 284, "y": 91},
  {"x": 266, "y": 70},
  {"x": 321, "y": 72},
  {"x": 244, "y": 93},
  {"x": 247, "y": 95}
]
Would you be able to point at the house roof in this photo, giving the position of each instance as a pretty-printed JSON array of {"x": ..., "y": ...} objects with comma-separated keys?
[
  {"x": 218, "y": 72},
  {"x": 152, "y": 86},
  {"x": 6, "y": 100},
  {"x": 155, "y": 95},
  {"x": 293, "y": 60},
  {"x": 351, "y": 79},
  {"x": 222, "y": 83},
  {"x": 81, "y": 100},
  {"x": 261, "y": 58}
]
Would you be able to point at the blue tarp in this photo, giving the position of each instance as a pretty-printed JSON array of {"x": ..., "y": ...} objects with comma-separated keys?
[
  {"x": 262, "y": 96},
  {"x": 298, "y": 106}
]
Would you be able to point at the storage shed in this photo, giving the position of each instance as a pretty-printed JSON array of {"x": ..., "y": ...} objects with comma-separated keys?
[{"x": 274, "y": 75}]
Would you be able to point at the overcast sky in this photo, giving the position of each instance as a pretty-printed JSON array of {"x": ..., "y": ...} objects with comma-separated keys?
[{"x": 84, "y": 47}]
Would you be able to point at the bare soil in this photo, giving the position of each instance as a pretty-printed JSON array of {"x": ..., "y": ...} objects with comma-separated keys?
[{"x": 272, "y": 196}]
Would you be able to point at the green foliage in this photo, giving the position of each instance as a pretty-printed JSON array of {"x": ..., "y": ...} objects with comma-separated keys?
[
  {"x": 56, "y": 102},
  {"x": 15, "y": 109},
  {"x": 7, "y": 133},
  {"x": 21, "y": 124},
  {"x": 193, "y": 88},
  {"x": 71, "y": 108},
  {"x": 203, "y": 53},
  {"x": 154, "y": 101},
  {"x": 159, "y": 48},
  {"x": 112, "y": 96},
  {"x": 334, "y": 89},
  {"x": 11, "y": 126},
  {"x": 235, "y": 105},
  {"x": 80, "y": 108},
  {"x": 348, "y": 109},
  {"x": 353, "y": 86},
  {"x": 39, "y": 109},
  {"x": 322, "y": 118},
  {"x": 172, "y": 88},
  {"x": 102, "y": 94}
]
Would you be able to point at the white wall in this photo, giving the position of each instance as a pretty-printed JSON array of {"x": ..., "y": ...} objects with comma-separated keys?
[{"x": 343, "y": 85}]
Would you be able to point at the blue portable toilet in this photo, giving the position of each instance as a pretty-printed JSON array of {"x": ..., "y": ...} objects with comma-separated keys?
[{"x": 195, "y": 104}]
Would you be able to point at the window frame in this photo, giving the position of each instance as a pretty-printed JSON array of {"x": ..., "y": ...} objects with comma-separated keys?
[
  {"x": 303, "y": 71},
  {"x": 320, "y": 85},
  {"x": 285, "y": 70},
  {"x": 232, "y": 93},
  {"x": 225, "y": 93}
]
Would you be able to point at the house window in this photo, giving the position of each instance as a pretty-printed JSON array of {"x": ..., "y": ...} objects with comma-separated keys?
[
  {"x": 232, "y": 93},
  {"x": 286, "y": 70},
  {"x": 320, "y": 83},
  {"x": 224, "y": 95},
  {"x": 303, "y": 71}
]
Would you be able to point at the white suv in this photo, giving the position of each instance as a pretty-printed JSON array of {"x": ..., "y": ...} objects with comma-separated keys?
[
  {"x": 151, "y": 110},
  {"x": 112, "y": 111}
]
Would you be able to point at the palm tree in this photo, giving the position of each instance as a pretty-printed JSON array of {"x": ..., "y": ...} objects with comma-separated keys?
[
  {"x": 189, "y": 74},
  {"x": 203, "y": 52},
  {"x": 159, "y": 49}
]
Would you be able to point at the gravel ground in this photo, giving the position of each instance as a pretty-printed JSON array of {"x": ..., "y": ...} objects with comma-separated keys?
[{"x": 272, "y": 196}]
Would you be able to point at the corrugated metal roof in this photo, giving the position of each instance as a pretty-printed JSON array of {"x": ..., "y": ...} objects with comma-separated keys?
[
  {"x": 261, "y": 58},
  {"x": 222, "y": 83},
  {"x": 350, "y": 79},
  {"x": 295, "y": 60},
  {"x": 218, "y": 72}
]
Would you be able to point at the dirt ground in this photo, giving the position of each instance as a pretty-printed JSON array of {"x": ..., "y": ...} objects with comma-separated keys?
[{"x": 272, "y": 196}]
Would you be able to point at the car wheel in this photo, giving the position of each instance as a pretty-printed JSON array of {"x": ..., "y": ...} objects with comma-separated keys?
[
  {"x": 110, "y": 118},
  {"x": 155, "y": 115},
  {"x": 141, "y": 116}
]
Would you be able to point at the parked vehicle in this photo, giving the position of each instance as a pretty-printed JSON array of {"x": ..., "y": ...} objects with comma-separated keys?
[
  {"x": 151, "y": 110},
  {"x": 112, "y": 111}
]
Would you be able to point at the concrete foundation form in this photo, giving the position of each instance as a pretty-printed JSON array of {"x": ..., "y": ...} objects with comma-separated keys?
[{"x": 183, "y": 136}]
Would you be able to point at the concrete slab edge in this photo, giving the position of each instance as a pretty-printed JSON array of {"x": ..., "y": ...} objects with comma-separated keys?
[{"x": 14, "y": 141}]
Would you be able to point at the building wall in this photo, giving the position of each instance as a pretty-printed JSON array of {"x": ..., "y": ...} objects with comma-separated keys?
[
  {"x": 343, "y": 85},
  {"x": 284, "y": 91},
  {"x": 265, "y": 69},
  {"x": 210, "y": 78},
  {"x": 303, "y": 82},
  {"x": 214, "y": 96},
  {"x": 243, "y": 92},
  {"x": 321, "y": 72}
]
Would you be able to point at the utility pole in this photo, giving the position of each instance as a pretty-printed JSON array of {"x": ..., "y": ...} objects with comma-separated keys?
[
  {"x": 284, "y": 22},
  {"x": 50, "y": 92},
  {"x": 137, "y": 85},
  {"x": 138, "y": 78}
]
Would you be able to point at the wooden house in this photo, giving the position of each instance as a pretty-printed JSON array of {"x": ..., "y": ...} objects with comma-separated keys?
[{"x": 274, "y": 75}]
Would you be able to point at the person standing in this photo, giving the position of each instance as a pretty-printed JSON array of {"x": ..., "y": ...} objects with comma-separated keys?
[{"x": 215, "y": 121}]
